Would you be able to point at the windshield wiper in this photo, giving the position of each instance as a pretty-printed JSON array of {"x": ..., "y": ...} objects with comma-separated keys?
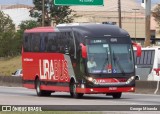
[{"x": 118, "y": 64}]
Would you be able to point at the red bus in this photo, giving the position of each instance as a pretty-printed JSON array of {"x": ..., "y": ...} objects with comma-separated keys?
[{"x": 80, "y": 59}]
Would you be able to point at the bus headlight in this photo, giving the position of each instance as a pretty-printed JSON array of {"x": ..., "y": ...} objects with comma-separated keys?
[
  {"x": 90, "y": 79},
  {"x": 130, "y": 79}
]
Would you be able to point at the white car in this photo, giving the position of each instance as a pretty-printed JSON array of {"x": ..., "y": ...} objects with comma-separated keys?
[{"x": 18, "y": 72}]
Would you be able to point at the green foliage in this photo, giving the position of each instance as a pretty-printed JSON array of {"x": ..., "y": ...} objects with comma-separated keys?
[
  {"x": 7, "y": 35},
  {"x": 10, "y": 40},
  {"x": 156, "y": 14},
  {"x": 6, "y": 24},
  {"x": 53, "y": 13},
  {"x": 28, "y": 24}
]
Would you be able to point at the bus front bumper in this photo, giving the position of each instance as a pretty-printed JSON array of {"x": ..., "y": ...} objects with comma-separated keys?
[{"x": 104, "y": 90}]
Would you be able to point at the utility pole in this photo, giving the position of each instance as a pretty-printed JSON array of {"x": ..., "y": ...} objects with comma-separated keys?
[
  {"x": 43, "y": 13},
  {"x": 135, "y": 22},
  {"x": 119, "y": 13},
  {"x": 147, "y": 23}
]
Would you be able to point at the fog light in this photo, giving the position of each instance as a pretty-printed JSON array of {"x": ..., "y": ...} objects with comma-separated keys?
[
  {"x": 132, "y": 88},
  {"x": 91, "y": 89}
]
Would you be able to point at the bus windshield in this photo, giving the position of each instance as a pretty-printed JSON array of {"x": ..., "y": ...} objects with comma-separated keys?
[{"x": 109, "y": 58}]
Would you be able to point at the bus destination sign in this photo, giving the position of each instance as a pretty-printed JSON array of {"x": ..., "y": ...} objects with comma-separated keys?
[{"x": 79, "y": 2}]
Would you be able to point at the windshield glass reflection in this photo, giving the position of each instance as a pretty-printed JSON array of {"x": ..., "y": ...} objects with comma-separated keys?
[{"x": 110, "y": 58}]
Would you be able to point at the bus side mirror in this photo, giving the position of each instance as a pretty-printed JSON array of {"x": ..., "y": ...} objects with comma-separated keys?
[
  {"x": 139, "y": 50},
  {"x": 84, "y": 51}
]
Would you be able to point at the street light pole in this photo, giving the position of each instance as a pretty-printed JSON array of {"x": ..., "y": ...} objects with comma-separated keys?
[
  {"x": 147, "y": 23},
  {"x": 119, "y": 13},
  {"x": 135, "y": 22},
  {"x": 42, "y": 13}
]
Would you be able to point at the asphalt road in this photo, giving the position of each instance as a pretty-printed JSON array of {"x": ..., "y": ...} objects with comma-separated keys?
[{"x": 23, "y": 96}]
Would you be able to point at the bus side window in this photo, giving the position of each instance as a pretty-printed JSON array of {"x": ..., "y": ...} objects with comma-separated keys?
[
  {"x": 43, "y": 42},
  {"x": 158, "y": 65},
  {"x": 158, "y": 61},
  {"x": 60, "y": 42},
  {"x": 25, "y": 43},
  {"x": 52, "y": 45},
  {"x": 71, "y": 44},
  {"x": 35, "y": 43},
  {"x": 77, "y": 38},
  {"x": 65, "y": 43}
]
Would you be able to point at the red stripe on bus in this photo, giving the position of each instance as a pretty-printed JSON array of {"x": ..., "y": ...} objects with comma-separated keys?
[
  {"x": 40, "y": 29},
  {"x": 55, "y": 88}
]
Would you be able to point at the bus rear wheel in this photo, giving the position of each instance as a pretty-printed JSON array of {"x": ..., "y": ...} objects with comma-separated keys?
[
  {"x": 116, "y": 95},
  {"x": 73, "y": 91},
  {"x": 39, "y": 91}
]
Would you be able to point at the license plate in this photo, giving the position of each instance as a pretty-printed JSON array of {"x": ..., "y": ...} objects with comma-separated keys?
[{"x": 112, "y": 88}]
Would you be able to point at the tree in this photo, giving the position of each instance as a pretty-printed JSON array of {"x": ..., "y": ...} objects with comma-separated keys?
[
  {"x": 6, "y": 23},
  {"x": 156, "y": 14},
  {"x": 10, "y": 40},
  {"x": 7, "y": 33},
  {"x": 28, "y": 24},
  {"x": 57, "y": 14}
]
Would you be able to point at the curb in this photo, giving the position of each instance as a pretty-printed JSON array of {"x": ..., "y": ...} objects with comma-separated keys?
[
  {"x": 146, "y": 87},
  {"x": 11, "y": 81}
]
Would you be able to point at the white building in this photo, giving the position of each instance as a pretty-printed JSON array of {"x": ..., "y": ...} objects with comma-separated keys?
[
  {"x": 18, "y": 12},
  {"x": 132, "y": 17}
]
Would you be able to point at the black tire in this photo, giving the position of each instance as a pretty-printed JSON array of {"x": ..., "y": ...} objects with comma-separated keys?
[
  {"x": 39, "y": 91},
  {"x": 73, "y": 92},
  {"x": 117, "y": 95}
]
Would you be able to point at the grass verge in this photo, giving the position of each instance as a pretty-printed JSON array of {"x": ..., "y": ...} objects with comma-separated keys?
[{"x": 9, "y": 65}]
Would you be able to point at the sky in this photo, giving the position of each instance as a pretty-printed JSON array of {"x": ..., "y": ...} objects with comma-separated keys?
[{"x": 29, "y": 2}]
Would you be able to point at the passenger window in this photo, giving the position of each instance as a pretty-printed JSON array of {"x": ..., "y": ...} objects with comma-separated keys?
[
  {"x": 147, "y": 58},
  {"x": 27, "y": 43},
  {"x": 35, "y": 43},
  {"x": 65, "y": 43},
  {"x": 159, "y": 62},
  {"x": 71, "y": 44},
  {"x": 52, "y": 44}
]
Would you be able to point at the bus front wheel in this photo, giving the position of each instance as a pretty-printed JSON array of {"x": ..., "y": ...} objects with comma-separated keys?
[
  {"x": 39, "y": 91},
  {"x": 73, "y": 91},
  {"x": 117, "y": 95}
]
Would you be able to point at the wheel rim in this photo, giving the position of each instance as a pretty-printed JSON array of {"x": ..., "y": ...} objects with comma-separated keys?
[
  {"x": 74, "y": 89},
  {"x": 38, "y": 87}
]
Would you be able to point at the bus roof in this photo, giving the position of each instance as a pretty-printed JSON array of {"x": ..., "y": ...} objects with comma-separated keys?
[
  {"x": 90, "y": 30},
  {"x": 41, "y": 29},
  {"x": 97, "y": 30}
]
